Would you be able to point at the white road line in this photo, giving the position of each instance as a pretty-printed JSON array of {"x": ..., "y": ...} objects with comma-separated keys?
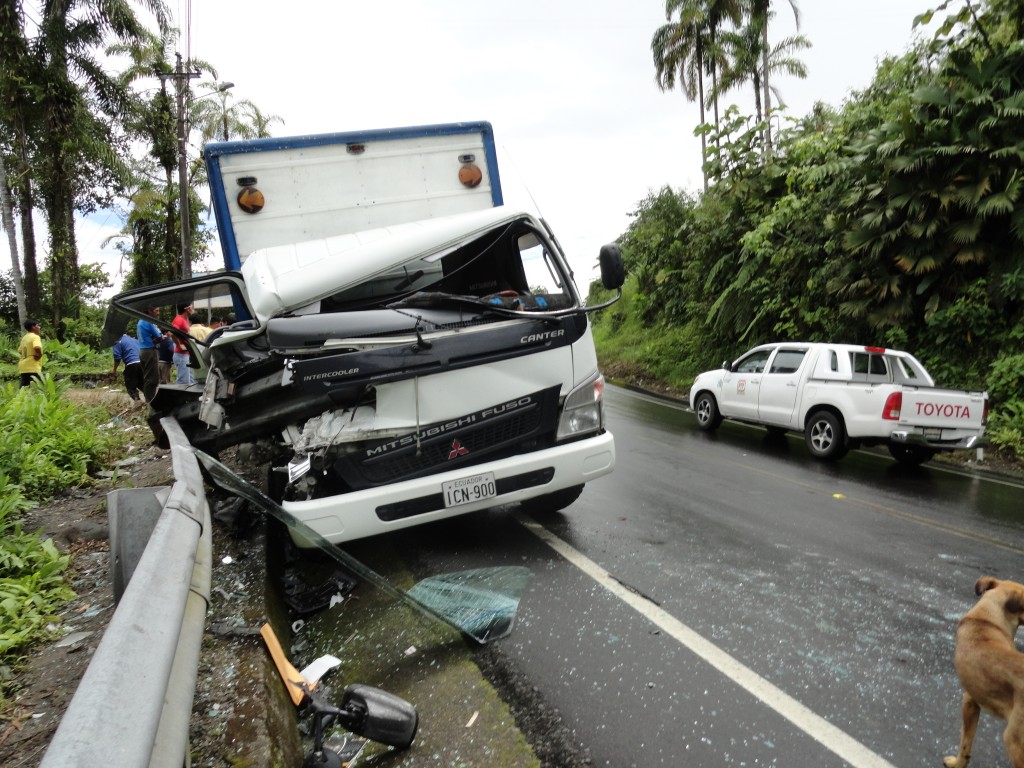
[{"x": 846, "y": 747}]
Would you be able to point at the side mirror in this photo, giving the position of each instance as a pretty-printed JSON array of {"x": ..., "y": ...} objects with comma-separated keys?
[
  {"x": 381, "y": 716},
  {"x": 726, "y": 365},
  {"x": 613, "y": 273}
]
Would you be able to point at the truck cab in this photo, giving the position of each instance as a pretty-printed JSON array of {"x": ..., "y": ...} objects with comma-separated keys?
[{"x": 390, "y": 370}]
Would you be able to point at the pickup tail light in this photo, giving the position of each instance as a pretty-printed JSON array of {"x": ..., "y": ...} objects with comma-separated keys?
[
  {"x": 984, "y": 414},
  {"x": 893, "y": 406}
]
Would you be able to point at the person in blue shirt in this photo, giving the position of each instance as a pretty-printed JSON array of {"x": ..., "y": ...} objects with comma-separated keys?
[
  {"x": 149, "y": 336},
  {"x": 165, "y": 352},
  {"x": 126, "y": 351}
]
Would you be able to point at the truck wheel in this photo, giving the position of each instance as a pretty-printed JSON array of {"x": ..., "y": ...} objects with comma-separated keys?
[
  {"x": 911, "y": 455},
  {"x": 708, "y": 417},
  {"x": 553, "y": 502},
  {"x": 826, "y": 436}
]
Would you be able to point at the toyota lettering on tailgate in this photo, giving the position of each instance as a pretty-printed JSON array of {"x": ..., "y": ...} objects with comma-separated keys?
[{"x": 944, "y": 410}]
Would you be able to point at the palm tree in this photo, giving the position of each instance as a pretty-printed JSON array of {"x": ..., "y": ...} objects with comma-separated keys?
[
  {"x": 18, "y": 111},
  {"x": 679, "y": 49},
  {"x": 73, "y": 140},
  {"x": 749, "y": 63},
  {"x": 687, "y": 50},
  {"x": 223, "y": 118},
  {"x": 760, "y": 12}
]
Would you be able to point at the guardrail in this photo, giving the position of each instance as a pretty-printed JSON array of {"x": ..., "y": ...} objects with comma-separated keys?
[{"x": 132, "y": 706}]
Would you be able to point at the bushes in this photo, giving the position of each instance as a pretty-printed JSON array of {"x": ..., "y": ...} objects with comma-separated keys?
[{"x": 47, "y": 444}]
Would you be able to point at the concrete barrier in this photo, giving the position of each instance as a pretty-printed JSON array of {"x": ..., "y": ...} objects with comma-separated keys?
[{"x": 132, "y": 706}]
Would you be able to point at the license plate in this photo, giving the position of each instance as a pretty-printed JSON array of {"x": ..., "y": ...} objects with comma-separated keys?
[
  {"x": 932, "y": 434},
  {"x": 469, "y": 489}
]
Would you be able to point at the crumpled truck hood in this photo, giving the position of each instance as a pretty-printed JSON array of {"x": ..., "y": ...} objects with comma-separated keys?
[{"x": 288, "y": 277}]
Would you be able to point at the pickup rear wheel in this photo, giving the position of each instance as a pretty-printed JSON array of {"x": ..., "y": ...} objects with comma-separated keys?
[
  {"x": 912, "y": 455},
  {"x": 826, "y": 436},
  {"x": 708, "y": 416}
]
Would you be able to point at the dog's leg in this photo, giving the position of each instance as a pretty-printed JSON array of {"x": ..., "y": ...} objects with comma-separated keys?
[
  {"x": 971, "y": 712},
  {"x": 1013, "y": 736}
]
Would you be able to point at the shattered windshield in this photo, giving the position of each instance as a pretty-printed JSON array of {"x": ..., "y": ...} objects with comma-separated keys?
[
  {"x": 210, "y": 303},
  {"x": 502, "y": 265}
]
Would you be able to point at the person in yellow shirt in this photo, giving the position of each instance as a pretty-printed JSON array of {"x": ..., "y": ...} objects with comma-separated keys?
[{"x": 30, "y": 353}]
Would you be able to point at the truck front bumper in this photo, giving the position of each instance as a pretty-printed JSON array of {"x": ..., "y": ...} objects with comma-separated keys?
[{"x": 358, "y": 514}]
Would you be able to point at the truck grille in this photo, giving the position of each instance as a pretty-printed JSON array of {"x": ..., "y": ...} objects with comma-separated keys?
[{"x": 486, "y": 436}]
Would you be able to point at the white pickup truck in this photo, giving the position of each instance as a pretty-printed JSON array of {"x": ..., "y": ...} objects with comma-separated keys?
[{"x": 842, "y": 396}]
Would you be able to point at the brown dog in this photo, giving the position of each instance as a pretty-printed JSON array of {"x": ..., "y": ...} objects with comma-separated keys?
[{"x": 990, "y": 667}]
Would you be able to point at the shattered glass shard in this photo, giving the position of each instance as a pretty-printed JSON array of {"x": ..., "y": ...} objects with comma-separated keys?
[{"x": 481, "y": 603}]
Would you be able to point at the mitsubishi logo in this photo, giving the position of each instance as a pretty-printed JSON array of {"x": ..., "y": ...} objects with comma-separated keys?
[{"x": 457, "y": 450}]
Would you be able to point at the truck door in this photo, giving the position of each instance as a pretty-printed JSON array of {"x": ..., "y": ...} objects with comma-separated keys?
[
  {"x": 780, "y": 386},
  {"x": 740, "y": 385}
]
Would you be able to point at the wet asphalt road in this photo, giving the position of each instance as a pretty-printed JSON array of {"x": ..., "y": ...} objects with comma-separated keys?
[{"x": 763, "y": 608}]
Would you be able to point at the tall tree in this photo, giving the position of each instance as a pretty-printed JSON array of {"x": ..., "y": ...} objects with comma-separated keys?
[
  {"x": 685, "y": 51},
  {"x": 749, "y": 64},
  {"x": 760, "y": 13},
  {"x": 19, "y": 110},
  {"x": 73, "y": 138}
]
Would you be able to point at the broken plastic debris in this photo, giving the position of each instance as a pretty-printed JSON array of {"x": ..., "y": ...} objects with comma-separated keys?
[
  {"x": 410, "y": 650},
  {"x": 320, "y": 667},
  {"x": 298, "y": 687},
  {"x": 73, "y": 638},
  {"x": 472, "y": 719},
  {"x": 228, "y": 560}
]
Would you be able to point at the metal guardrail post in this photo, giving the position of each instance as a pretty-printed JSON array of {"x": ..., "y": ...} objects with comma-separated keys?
[{"x": 133, "y": 704}]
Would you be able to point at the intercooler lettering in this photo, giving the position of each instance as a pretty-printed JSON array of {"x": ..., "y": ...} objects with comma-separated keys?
[
  {"x": 945, "y": 410},
  {"x": 330, "y": 374},
  {"x": 546, "y": 336}
]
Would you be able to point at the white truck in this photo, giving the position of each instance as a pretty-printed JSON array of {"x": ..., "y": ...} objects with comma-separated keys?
[
  {"x": 401, "y": 347},
  {"x": 842, "y": 396}
]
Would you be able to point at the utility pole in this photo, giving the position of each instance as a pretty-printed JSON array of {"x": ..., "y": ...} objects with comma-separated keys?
[{"x": 181, "y": 78}]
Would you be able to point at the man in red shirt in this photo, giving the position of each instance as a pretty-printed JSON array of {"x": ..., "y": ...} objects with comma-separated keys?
[{"x": 183, "y": 323}]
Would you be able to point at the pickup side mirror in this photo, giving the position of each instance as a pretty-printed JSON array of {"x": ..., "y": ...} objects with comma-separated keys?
[
  {"x": 726, "y": 365},
  {"x": 613, "y": 273}
]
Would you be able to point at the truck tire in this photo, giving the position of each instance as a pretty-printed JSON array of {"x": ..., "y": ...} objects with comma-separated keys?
[
  {"x": 825, "y": 436},
  {"x": 706, "y": 408},
  {"x": 911, "y": 455},
  {"x": 553, "y": 502}
]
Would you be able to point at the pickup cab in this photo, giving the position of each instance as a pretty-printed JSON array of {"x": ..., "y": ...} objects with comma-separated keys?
[{"x": 842, "y": 396}]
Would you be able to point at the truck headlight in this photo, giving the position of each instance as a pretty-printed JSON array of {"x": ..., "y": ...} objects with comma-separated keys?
[{"x": 582, "y": 411}]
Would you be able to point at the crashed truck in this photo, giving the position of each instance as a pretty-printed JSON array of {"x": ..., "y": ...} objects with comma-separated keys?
[{"x": 400, "y": 346}]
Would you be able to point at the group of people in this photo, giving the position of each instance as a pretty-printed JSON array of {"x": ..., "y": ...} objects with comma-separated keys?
[
  {"x": 147, "y": 357},
  {"x": 154, "y": 352}
]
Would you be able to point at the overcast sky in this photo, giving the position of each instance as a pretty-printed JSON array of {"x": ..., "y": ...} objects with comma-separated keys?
[{"x": 583, "y": 132}]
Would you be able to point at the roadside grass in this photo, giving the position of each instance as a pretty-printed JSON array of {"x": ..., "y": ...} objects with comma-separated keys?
[
  {"x": 642, "y": 354},
  {"x": 51, "y": 439}
]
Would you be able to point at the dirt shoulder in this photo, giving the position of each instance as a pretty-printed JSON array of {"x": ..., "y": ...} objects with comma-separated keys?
[{"x": 39, "y": 688}]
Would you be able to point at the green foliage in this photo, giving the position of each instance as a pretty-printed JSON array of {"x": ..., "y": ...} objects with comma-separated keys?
[
  {"x": 47, "y": 442},
  {"x": 31, "y": 581},
  {"x": 896, "y": 219}
]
